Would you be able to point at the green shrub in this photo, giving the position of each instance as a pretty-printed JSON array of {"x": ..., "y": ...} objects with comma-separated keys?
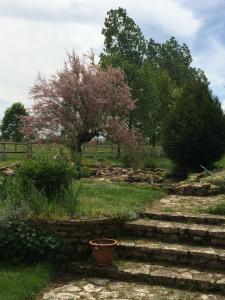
[
  {"x": 132, "y": 157},
  {"x": 14, "y": 199},
  {"x": 49, "y": 175},
  {"x": 20, "y": 241},
  {"x": 148, "y": 163},
  {"x": 127, "y": 160},
  {"x": 21, "y": 202}
]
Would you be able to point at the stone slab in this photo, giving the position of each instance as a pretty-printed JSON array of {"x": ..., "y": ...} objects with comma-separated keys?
[
  {"x": 163, "y": 275},
  {"x": 205, "y": 234},
  {"x": 123, "y": 291},
  {"x": 152, "y": 250}
]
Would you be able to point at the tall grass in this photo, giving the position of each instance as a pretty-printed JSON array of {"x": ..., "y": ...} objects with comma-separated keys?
[
  {"x": 91, "y": 200},
  {"x": 71, "y": 199}
]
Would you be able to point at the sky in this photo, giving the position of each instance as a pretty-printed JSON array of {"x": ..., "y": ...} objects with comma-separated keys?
[{"x": 36, "y": 34}]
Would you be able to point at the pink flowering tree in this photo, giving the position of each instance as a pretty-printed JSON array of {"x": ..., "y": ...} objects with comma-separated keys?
[
  {"x": 80, "y": 102},
  {"x": 126, "y": 139}
]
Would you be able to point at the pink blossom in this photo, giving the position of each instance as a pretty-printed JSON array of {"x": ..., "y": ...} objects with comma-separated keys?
[{"x": 79, "y": 102}]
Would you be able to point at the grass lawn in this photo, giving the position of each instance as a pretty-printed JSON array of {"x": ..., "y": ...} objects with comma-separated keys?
[
  {"x": 101, "y": 199},
  {"x": 162, "y": 163},
  {"x": 22, "y": 282},
  {"x": 123, "y": 200}
]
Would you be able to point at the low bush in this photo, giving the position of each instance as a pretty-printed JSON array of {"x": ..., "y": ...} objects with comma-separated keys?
[
  {"x": 13, "y": 197},
  {"x": 20, "y": 241},
  {"x": 49, "y": 175},
  {"x": 21, "y": 202},
  {"x": 148, "y": 163},
  {"x": 132, "y": 157}
]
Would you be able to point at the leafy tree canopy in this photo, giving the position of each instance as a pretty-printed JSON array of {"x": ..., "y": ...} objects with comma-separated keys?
[
  {"x": 148, "y": 66},
  {"x": 173, "y": 57},
  {"x": 11, "y": 122},
  {"x": 123, "y": 36},
  {"x": 156, "y": 96}
]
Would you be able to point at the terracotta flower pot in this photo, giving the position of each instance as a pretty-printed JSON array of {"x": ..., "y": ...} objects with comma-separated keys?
[{"x": 103, "y": 250}]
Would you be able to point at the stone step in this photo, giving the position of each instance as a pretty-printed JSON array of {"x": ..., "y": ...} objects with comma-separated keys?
[
  {"x": 157, "y": 274},
  {"x": 178, "y": 254},
  {"x": 213, "y": 235},
  {"x": 184, "y": 218}
]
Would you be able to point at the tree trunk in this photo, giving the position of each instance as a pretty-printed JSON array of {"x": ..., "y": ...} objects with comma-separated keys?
[{"x": 118, "y": 151}]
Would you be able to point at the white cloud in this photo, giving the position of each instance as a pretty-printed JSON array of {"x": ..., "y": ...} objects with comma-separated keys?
[
  {"x": 203, "y": 5},
  {"x": 35, "y": 34},
  {"x": 168, "y": 15},
  {"x": 212, "y": 61},
  {"x": 29, "y": 47}
]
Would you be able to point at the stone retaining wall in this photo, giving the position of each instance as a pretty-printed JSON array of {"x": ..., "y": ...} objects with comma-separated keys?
[{"x": 77, "y": 233}]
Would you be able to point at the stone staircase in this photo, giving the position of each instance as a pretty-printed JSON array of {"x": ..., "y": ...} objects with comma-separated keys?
[{"x": 173, "y": 250}]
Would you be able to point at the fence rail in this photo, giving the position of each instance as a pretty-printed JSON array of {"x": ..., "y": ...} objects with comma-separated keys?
[
  {"x": 111, "y": 150},
  {"x": 15, "y": 148},
  {"x": 93, "y": 151}
]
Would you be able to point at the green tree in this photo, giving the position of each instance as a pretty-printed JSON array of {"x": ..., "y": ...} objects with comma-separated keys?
[
  {"x": 194, "y": 134},
  {"x": 156, "y": 97},
  {"x": 123, "y": 37},
  {"x": 125, "y": 48},
  {"x": 12, "y": 123},
  {"x": 174, "y": 58}
]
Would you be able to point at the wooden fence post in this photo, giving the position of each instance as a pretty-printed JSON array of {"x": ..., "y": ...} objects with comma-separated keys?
[{"x": 29, "y": 150}]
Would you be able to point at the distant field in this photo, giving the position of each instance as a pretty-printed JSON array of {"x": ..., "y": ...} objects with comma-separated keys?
[{"x": 91, "y": 154}]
